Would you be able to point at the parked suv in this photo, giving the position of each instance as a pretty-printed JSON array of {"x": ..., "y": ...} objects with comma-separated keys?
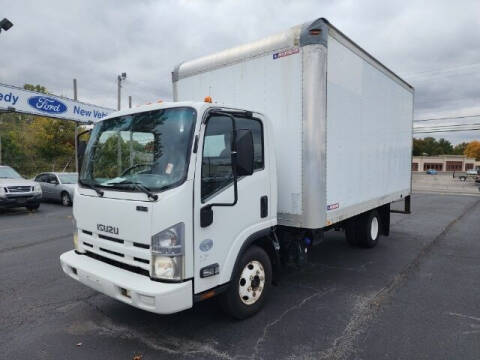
[
  {"x": 58, "y": 186},
  {"x": 16, "y": 191}
]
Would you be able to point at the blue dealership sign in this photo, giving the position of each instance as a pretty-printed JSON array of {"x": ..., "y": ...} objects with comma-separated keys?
[
  {"x": 24, "y": 101},
  {"x": 47, "y": 104}
]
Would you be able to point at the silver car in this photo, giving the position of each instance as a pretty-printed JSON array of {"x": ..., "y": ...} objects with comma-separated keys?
[
  {"x": 16, "y": 191},
  {"x": 58, "y": 186}
]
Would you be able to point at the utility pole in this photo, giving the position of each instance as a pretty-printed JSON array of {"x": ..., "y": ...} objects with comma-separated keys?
[
  {"x": 130, "y": 102},
  {"x": 75, "y": 97},
  {"x": 120, "y": 78}
]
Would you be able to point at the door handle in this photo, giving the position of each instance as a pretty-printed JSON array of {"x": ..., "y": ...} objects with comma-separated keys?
[{"x": 264, "y": 206}]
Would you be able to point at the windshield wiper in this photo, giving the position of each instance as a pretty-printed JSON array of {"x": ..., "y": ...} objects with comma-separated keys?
[
  {"x": 90, "y": 186},
  {"x": 139, "y": 186}
]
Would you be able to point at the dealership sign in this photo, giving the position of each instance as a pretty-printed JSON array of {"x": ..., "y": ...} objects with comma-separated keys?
[{"x": 30, "y": 102}]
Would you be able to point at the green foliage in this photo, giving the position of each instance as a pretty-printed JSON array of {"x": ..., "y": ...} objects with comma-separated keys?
[
  {"x": 32, "y": 144},
  {"x": 460, "y": 148},
  {"x": 37, "y": 88},
  {"x": 429, "y": 146}
]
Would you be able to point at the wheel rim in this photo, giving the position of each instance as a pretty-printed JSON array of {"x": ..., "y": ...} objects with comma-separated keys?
[
  {"x": 66, "y": 200},
  {"x": 374, "y": 228},
  {"x": 251, "y": 282}
]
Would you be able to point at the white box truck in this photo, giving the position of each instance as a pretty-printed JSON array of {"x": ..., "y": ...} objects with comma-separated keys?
[{"x": 300, "y": 133}]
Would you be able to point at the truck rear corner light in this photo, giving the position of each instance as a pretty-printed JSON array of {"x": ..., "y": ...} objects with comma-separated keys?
[{"x": 210, "y": 270}]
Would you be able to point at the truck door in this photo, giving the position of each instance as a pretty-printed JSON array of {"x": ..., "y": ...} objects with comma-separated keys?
[{"x": 216, "y": 246}]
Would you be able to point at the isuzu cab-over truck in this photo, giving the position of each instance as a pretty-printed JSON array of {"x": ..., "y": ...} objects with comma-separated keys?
[{"x": 300, "y": 133}]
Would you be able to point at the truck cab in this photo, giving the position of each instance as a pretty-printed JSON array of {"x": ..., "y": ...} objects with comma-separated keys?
[{"x": 176, "y": 203}]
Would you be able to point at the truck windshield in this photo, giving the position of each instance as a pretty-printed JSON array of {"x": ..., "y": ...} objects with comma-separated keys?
[
  {"x": 150, "y": 149},
  {"x": 8, "y": 173}
]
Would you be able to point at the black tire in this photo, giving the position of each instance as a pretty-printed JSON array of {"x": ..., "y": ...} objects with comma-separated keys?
[
  {"x": 369, "y": 229},
  {"x": 231, "y": 300},
  {"x": 33, "y": 207},
  {"x": 351, "y": 232},
  {"x": 66, "y": 200}
]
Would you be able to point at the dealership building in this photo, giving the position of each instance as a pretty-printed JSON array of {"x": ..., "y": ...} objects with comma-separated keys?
[{"x": 444, "y": 163}]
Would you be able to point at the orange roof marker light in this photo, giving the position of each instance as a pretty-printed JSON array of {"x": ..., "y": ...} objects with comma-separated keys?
[
  {"x": 208, "y": 99},
  {"x": 159, "y": 101}
]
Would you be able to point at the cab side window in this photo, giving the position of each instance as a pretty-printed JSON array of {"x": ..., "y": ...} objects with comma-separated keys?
[
  {"x": 217, "y": 162},
  {"x": 255, "y": 126},
  {"x": 217, "y": 159}
]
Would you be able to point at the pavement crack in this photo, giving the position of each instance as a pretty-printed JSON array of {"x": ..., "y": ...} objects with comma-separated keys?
[
  {"x": 267, "y": 327},
  {"x": 53, "y": 238},
  {"x": 401, "y": 277},
  {"x": 168, "y": 344},
  {"x": 343, "y": 345},
  {"x": 366, "y": 308}
]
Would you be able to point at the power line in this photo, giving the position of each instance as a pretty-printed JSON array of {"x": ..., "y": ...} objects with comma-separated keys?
[
  {"x": 440, "y": 71},
  {"x": 448, "y": 118},
  {"x": 440, "y": 130}
]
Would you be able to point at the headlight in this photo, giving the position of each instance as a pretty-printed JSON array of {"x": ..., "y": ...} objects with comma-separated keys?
[
  {"x": 37, "y": 188},
  {"x": 166, "y": 267},
  {"x": 2, "y": 192},
  {"x": 167, "y": 253}
]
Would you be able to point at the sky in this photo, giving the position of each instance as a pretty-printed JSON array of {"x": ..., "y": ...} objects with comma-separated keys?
[{"x": 434, "y": 45}]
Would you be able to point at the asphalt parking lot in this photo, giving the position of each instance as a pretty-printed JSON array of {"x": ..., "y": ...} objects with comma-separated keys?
[{"x": 415, "y": 296}]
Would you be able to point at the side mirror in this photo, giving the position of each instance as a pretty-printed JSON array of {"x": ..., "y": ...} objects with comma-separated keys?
[
  {"x": 244, "y": 144},
  {"x": 206, "y": 216},
  {"x": 81, "y": 147}
]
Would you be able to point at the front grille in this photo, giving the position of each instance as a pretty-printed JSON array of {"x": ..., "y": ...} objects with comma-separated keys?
[
  {"x": 112, "y": 252},
  {"x": 19, "y": 189},
  {"x": 120, "y": 241},
  {"x": 124, "y": 251},
  {"x": 118, "y": 264}
]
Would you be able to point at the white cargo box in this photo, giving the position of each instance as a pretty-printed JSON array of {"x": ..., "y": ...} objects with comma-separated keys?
[{"x": 342, "y": 121}]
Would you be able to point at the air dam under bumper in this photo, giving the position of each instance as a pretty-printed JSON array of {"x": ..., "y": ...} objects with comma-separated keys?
[{"x": 131, "y": 288}]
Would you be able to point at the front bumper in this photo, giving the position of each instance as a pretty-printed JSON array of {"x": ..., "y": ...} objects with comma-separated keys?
[
  {"x": 131, "y": 288},
  {"x": 20, "y": 200}
]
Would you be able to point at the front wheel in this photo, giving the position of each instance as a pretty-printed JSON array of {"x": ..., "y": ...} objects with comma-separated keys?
[
  {"x": 66, "y": 201},
  {"x": 33, "y": 207},
  {"x": 250, "y": 284}
]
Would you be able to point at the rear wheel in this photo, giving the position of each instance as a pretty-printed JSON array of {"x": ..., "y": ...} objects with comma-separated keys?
[
  {"x": 66, "y": 201},
  {"x": 250, "y": 284},
  {"x": 352, "y": 232},
  {"x": 370, "y": 229},
  {"x": 364, "y": 230}
]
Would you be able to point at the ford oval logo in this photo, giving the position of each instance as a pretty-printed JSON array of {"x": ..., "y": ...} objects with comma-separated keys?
[
  {"x": 206, "y": 245},
  {"x": 47, "y": 104}
]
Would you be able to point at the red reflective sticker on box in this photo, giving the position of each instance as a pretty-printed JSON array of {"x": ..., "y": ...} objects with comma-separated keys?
[
  {"x": 333, "y": 206},
  {"x": 286, "y": 53}
]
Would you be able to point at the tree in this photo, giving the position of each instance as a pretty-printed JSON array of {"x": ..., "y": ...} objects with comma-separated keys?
[
  {"x": 33, "y": 144},
  {"x": 473, "y": 150},
  {"x": 459, "y": 149},
  {"x": 37, "y": 88}
]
